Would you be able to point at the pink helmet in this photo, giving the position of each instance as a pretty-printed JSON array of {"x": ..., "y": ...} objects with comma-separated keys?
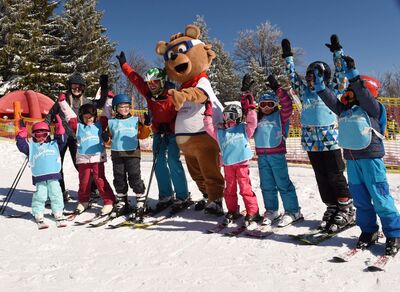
[{"x": 40, "y": 126}]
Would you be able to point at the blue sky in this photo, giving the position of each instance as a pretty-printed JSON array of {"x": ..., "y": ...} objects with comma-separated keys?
[{"x": 369, "y": 30}]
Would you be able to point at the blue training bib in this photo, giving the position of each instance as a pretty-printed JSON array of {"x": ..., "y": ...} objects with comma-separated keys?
[
  {"x": 314, "y": 112},
  {"x": 124, "y": 134},
  {"x": 44, "y": 158},
  {"x": 268, "y": 133},
  {"x": 89, "y": 139}
]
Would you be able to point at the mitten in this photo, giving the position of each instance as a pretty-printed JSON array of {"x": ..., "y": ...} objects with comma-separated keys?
[
  {"x": 59, "y": 128},
  {"x": 61, "y": 97},
  {"x": 350, "y": 68},
  {"x": 247, "y": 82},
  {"x": 208, "y": 106},
  {"x": 273, "y": 83},
  {"x": 334, "y": 45},
  {"x": 121, "y": 58},
  {"x": 286, "y": 48}
]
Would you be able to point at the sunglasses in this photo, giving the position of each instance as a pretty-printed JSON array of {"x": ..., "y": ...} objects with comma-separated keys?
[
  {"x": 269, "y": 104},
  {"x": 181, "y": 47},
  {"x": 40, "y": 135},
  {"x": 77, "y": 87}
]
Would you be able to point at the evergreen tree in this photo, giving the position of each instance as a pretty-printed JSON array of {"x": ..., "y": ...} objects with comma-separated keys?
[
  {"x": 87, "y": 50},
  {"x": 223, "y": 79}
]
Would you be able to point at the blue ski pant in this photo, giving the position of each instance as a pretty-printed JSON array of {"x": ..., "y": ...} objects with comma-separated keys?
[
  {"x": 274, "y": 177},
  {"x": 50, "y": 189},
  {"x": 369, "y": 187},
  {"x": 168, "y": 168}
]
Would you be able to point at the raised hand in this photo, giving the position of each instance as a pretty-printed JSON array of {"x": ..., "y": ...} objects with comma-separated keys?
[
  {"x": 247, "y": 82},
  {"x": 59, "y": 128},
  {"x": 273, "y": 83},
  {"x": 286, "y": 48},
  {"x": 334, "y": 45},
  {"x": 121, "y": 58}
]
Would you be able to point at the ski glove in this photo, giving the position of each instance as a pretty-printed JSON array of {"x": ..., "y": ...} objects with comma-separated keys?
[
  {"x": 61, "y": 97},
  {"x": 208, "y": 111},
  {"x": 23, "y": 133},
  {"x": 273, "y": 83},
  {"x": 350, "y": 68},
  {"x": 163, "y": 128},
  {"x": 247, "y": 102},
  {"x": 147, "y": 119},
  {"x": 319, "y": 84},
  {"x": 334, "y": 45},
  {"x": 286, "y": 48},
  {"x": 103, "y": 82},
  {"x": 247, "y": 82},
  {"x": 121, "y": 58},
  {"x": 59, "y": 128}
]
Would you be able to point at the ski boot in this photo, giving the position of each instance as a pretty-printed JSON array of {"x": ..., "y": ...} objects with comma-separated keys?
[
  {"x": 344, "y": 216},
  {"x": 392, "y": 246},
  {"x": 367, "y": 239},
  {"x": 200, "y": 205},
  {"x": 66, "y": 196},
  {"x": 289, "y": 218},
  {"x": 328, "y": 216},
  {"x": 214, "y": 207},
  {"x": 179, "y": 204},
  {"x": 82, "y": 207},
  {"x": 162, "y": 204},
  {"x": 122, "y": 206},
  {"x": 140, "y": 208},
  {"x": 231, "y": 217},
  {"x": 270, "y": 217},
  {"x": 250, "y": 221}
]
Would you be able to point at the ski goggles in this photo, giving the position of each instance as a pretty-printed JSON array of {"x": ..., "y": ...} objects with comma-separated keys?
[
  {"x": 230, "y": 116},
  {"x": 40, "y": 135},
  {"x": 181, "y": 47},
  {"x": 268, "y": 104}
]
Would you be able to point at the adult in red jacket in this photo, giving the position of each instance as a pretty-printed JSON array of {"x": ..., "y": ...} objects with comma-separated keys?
[{"x": 168, "y": 167}]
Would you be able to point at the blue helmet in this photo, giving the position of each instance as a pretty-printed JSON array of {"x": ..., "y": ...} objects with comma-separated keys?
[
  {"x": 269, "y": 95},
  {"x": 120, "y": 98}
]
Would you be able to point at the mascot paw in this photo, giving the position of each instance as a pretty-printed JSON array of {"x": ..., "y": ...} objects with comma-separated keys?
[{"x": 178, "y": 98}]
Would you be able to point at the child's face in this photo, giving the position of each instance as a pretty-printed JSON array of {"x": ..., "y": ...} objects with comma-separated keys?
[
  {"x": 40, "y": 136},
  {"x": 88, "y": 119},
  {"x": 123, "y": 109},
  {"x": 267, "y": 106}
]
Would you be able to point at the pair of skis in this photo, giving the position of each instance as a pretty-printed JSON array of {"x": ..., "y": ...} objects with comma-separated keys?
[
  {"x": 318, "y": 236},
  {"x": 142, "y": 224},
  {"x": 43, "y": 225}
]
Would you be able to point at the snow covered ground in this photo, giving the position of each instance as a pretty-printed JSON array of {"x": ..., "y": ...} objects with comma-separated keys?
[{"x": 175, "y": 255}]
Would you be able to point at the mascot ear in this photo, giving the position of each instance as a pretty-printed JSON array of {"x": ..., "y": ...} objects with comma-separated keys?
[
  {"x": 192, "y": 31},
  {"x": 211, "y": 54},
  {"x": 161, "y": 47}
]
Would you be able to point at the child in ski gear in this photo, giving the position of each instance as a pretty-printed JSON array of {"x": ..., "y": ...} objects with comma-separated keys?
[
  {"x": 187, "y": 60},
  {"x": 75, "y": 97},
  {"x": 319, "y": 136},
  {"x": 168, "y": 166},
  {"x": 269, "y": 137},
  {"x": 233, "y": 138},
  {"x": 45, "y": 161},
  {"x": 124, "y": 130},
  {"x": 362, "y": 121},
  {"x": 91, "y": 154}
]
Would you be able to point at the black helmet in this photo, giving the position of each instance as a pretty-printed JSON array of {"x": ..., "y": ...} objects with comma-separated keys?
[
  {"x": 76, "y": 78},
  {"x": 327, "y": 71},
  {"x": 87, "y": 108}
]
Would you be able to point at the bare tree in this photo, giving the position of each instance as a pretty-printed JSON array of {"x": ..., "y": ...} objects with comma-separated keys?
[
  {"x": 259, "y": 53},
  {"x": 391, "y": 84}
]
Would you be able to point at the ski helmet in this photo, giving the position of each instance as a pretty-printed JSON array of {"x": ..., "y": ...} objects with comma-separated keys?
[
  {"x": 154, "y": 74},
  {"x": 372, "y": 84},
  {"x": 40, "y": 126},
  {"x": 120, "y": 98},
  {"x": 76, "y": 78},
  {"x": 268, "y": 96},
  {"x": 87, "y": 108},
  {"x": 232, "y": 112},
  {"x": 327, "y": 70}
]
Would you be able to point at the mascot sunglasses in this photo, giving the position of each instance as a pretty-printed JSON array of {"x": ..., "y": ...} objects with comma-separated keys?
[{"x": 182, "y": 47}]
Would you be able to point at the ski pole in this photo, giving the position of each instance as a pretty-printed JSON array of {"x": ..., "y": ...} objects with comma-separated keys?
[
  {"x": 13, "y": 186},
  {"x": 153, "y": 167}
]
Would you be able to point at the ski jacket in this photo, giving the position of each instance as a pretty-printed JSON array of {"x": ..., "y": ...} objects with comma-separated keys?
[
  {"x": 372, "y": 108},
  {"x": 24, "y": 146},
  {"x": 249, "y": 126},
  {"x": 284, "y": 115},
  {"x": 319, "y": 131},
  {"x": 162, "y": 109}
]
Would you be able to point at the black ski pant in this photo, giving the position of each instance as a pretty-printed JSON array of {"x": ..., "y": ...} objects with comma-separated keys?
[
  {"x": 73, "y": 149},
  {"x": 328, "y": 168},
  {"x": 127, "y": 169}
]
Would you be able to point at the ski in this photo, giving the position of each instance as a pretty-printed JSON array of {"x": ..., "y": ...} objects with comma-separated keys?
[
  {"x": 315, "y": 237},
  {"x": 96, "y": 217},
  {"x": 380, "y": 263},
  {"x": 18, "y": 215},
  {"x": 61, "y": 223},
  {"x": 347, "y": 256},
  {"x": 42, "y": 225},
  {"x": 216, "y": 229},
  {"x": 236, "y": 231},
  {"x": 260, "y": 232},
  {"x": 101, "y": 221}
]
